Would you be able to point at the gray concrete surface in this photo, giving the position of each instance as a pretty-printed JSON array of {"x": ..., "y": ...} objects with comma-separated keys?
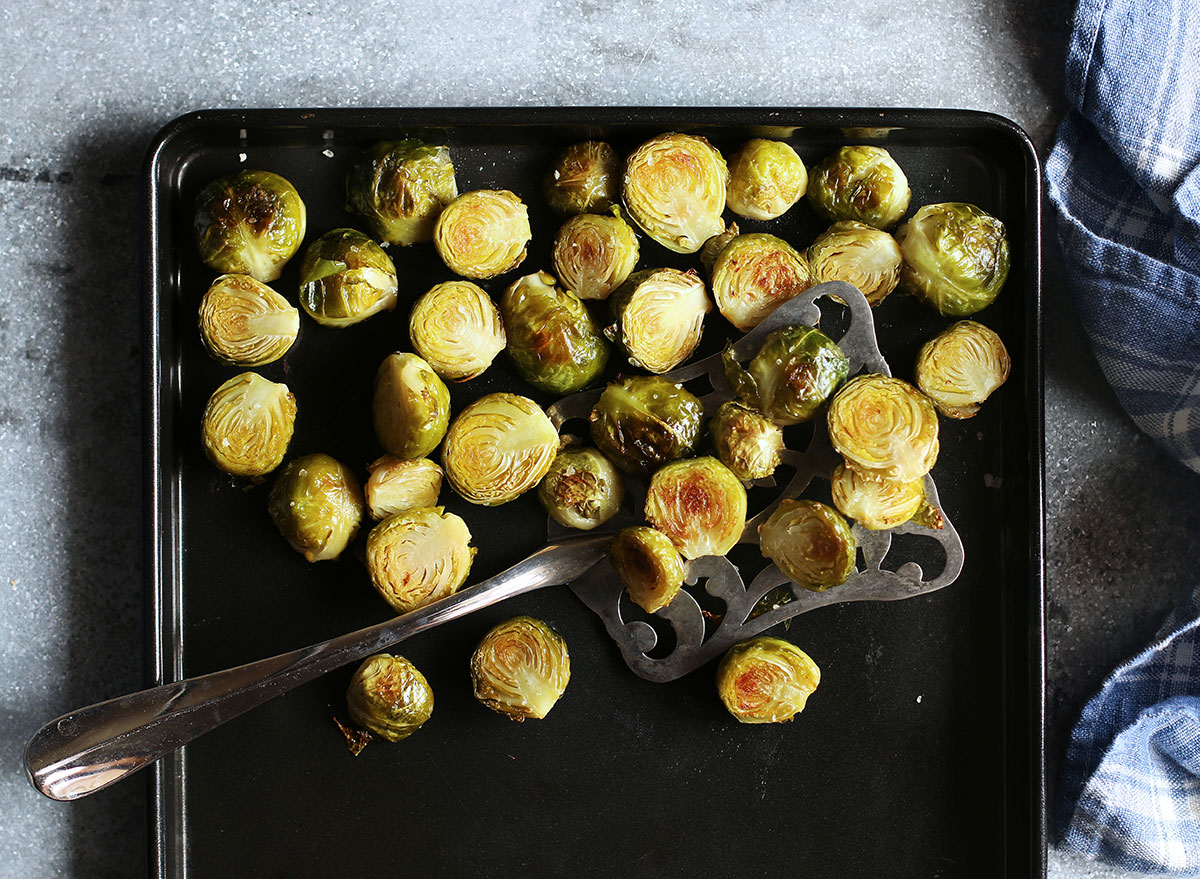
[{"x": 83, "y": 89}]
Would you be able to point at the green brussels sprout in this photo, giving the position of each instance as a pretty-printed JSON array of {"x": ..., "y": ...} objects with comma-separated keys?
[
  {"x": 649, "y": 565},
  {"x": 498, "y": 447},
  {"x": 861, "y": 255},
  {"x": 582, "y": 489},
  {"x": 810, "y": 542},
  {"x": 766, "y": 178},
  {"x": 396, "y": 485},
  {"x": 389, "y": 697},
  {"x": 753, "y": 275},
  {"x": 884, "y": 427},
  {"x": 880, "y": 504},
  {"x": 746, "y": 442},
  {"x": 400, "y": 187},
  {"x": 700, "y": 504},
  {"x": 551, "y": 338},
  {"x": 659, "y": 317},
  {"x": 243, "y": 322},
  {"x": 674, "y": 189},
  {"x": 249, "y": 223},
  {"x": 595, "y": 253},
  {"x": 861, "y": 183},
  {"x": 791, "y": 376},
  {"x": 411, "y": 406},
  {"x": 586, "y": 178},
  {"x": 457, "y": 328},
  {"x": 316, "y": 504},
  {"x": 418, "y": 556},
  {"x": 345, "y": 277},
  {"x": 643, "y": 421},
  {"x": 766, "y": 680},
  {"x": 955, "y": 257},
  {"x": 521, "y": 668},
  {"x": 248, "y": 424},
  {"x": 482, "y": 234},
  {"x": 960, "y": 368}
]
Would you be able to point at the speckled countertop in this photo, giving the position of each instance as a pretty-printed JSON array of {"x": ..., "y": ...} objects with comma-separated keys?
[{"x": 82, "y": 93}]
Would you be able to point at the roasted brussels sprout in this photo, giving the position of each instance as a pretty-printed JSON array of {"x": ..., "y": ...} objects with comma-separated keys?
[
  {"x": 700, "y": 504},
  {"x": 879, "y": 504},
  {"x": 791, "y": 376},
  {"x": 247, "y": 424},
  {"x": 960, "y": 367},
  {"x": 582, "y": 489},
  {"x": 861, "y": 183},
  {"x": 419, "y": 556},
  {"x": 483, "y": 233},
  {"x": 753, "y": 275},
  {"x": 766, "y": 680},
  {"x": 585, "y": 179},
  {"x": 746, "y": 442},
  {"x": 249, "y": 223},
  {"x": 316, "y": 504},
  {"x": 674, "y": 189},
  {"x": 861, "y": 255},
  {"x": 955, "y": 257},
  {"x": 552, "y": 340},
  {"x": 411, "y": 406},
  {"x": 396, "y": 485},
  {"x": 884, "y": 427},
  {"x": 243, "y": 322},
  {"x": 521, "y": 668},
  {"x": 594, "y": 254},
  {"x": 389, "y": 697},
  {"x": 810, "y": 542},
  {"x": 345, "y": 277},
  {"x": 766, "y": 177},
  {"x": 498, "y": 447},
  {"x": 659, "y": 317},
  {"x": 643, "y": 421},
  {"x": 648, "y": 564},
  {"x": 401, "y": 187},
  {"x": 457, "y": 328}
]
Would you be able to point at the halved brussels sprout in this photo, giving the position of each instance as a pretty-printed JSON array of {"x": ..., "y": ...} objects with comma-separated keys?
[
  {"x": 419, "y": 556},
  {"x": 345, "y": 277},
  {"x": 396, "y": 485},
  {"x": 643, "y": 421},
  {"x": 766, "y": 680},
  {"x": 960, "y": 368},
  {"x": 552, "y": 340},
  {"x": 674, "y": 189},
  {"x": 861, "y": 183},
  {"x": 700, "y": 504},
  {"x": 879, "y": 504},
  {"x": 884, "y": 427},
  {"x": 457, "y": 328},
  {"x": 389, "y": 697},
  {"x": 861, "y": 255},
  {"x": 248, "y": 424},
  {"x": 243, "y": 322},
  {"x": 659, "y": 317},
  {"x": 766, "y": 177},
  {"x": 521, "y": 668},
  {"x": 791, "y": 376},
  {"x": 585, "y": 178},
  {"x": 411, "y": 406},
  {"x": 746, "y": 442},
  {"x": 810, "y": 542},
  {"x": 316, "y": 504},
  {"x": 401, "y": 187},
  {"x": 482, "y": 234},
  {"x": 582, "y": 489},
  {"x": 753, "y": 275},
  {"x": 594, "y": 254},
  {"x": 498, "y": 447},
  {"x": 249, "y": 223},
  {"x": 955, "y": 257},
  {"x": 649, "y": 565}
]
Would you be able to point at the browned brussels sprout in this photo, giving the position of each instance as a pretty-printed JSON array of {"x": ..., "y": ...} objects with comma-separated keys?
[
  {"x": 582, "y": 489},
  {"x": 345, "y": 278},
  {"x": 243, "y": 322},
  {"x": 586, "y": 178},
  {"x": 418, "y": 556},
  {"x": 879, "y": 504},
  {"x": 766, "y": 680},
  {"x": 861, "y": 255},
  {"x": 482, "y": 234},
  {"x": 521, "y": 668},
  {"x": 674, "y": 189},
  {"x": 642, "y": 422},
  {"x": 700, "y": 504},
  {"x": 389, "y": 697},
  {"x": 595, "y": 253},
  {"x": 316, "y": 504},
  {"x": 401, "y": 187},
  {"x": 753, "y": 275},
  {"x": 248, "y": 424},
  {"x": 861, "y": 183},
  {"x": 648, "y": 564},
  {"x": 884, "y": 427},
  {"x": 659, "y": 317},
  {"x": 960, "y": 368},
  {"x": 791, "y": 376},
  {"x": 746, "y": 442},
  {"x": 766, "y": 178},
  {"x": 955, "y": 257},
  {"x": 810, "y": 542},
  {"x": 457, "y": 328},
  {"x": 249, "y": 223},
  {"x": 396, "y": 485},
  {"x": 411, "y": 406}
]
